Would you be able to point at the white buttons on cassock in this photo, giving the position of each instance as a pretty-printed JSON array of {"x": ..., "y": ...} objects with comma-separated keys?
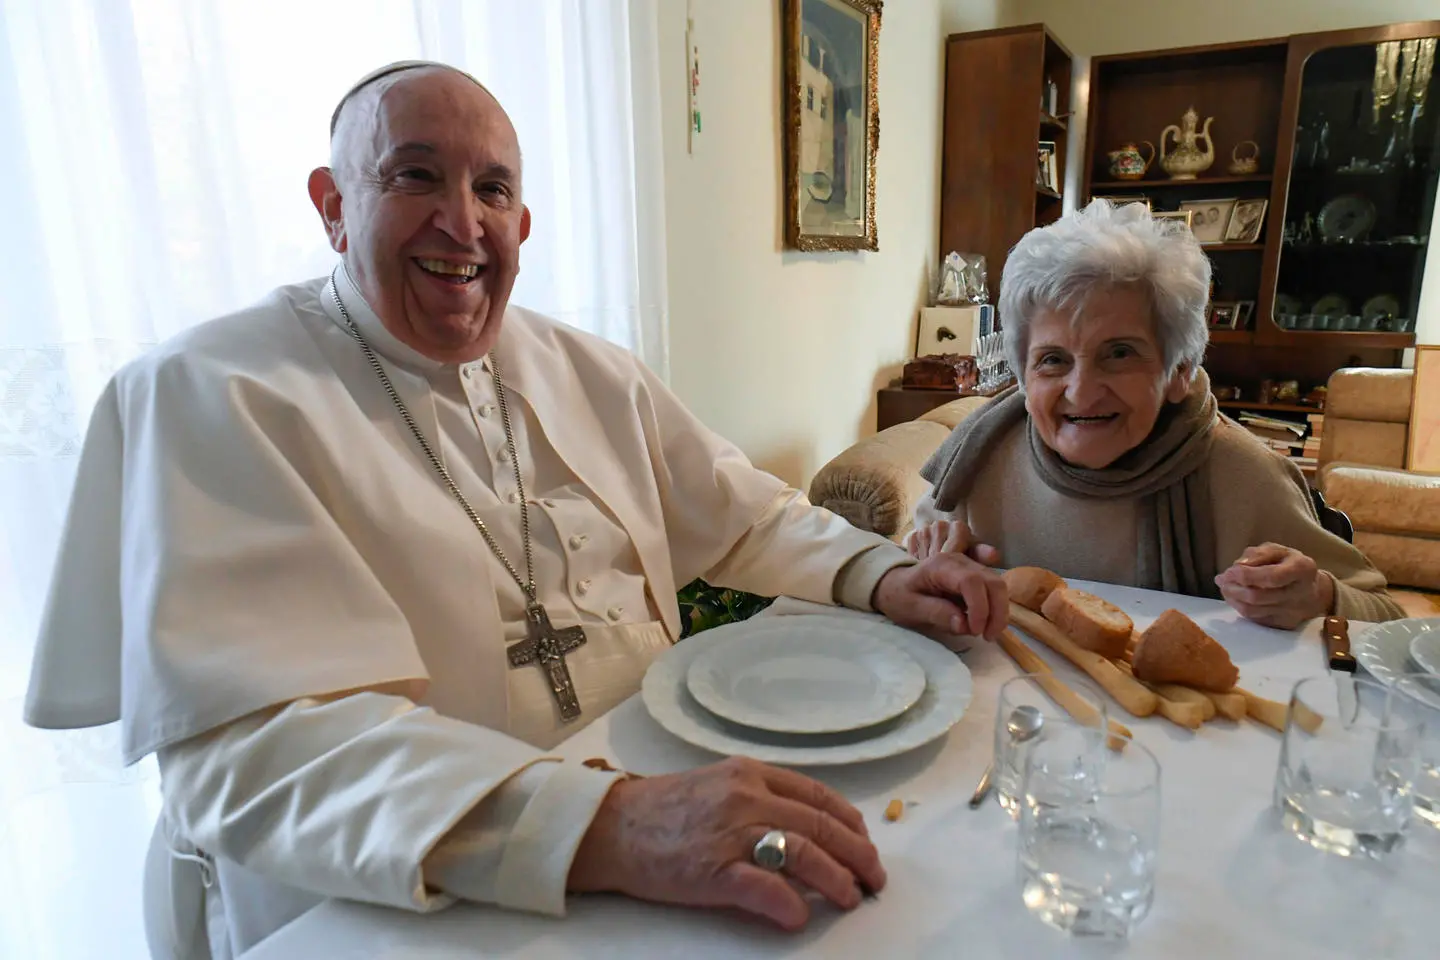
[
  {"x": 578, "y": 541},
  {"x": 615, "y": 613},
  {"x": 485, "y": 410},
  {"x": 583, "y": 587},
  {"x": 466, "y": 373},
  {"x": 512, "y": 497},
  {"x": 503, "y": 453}
]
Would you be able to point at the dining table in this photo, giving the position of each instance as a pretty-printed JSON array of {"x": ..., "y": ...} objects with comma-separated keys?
[{"x": 1230, "y": 881}]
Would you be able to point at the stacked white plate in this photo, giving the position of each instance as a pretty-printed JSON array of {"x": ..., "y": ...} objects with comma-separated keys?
[
  {"x": 1391, "y": 650},
  {"x": 807, "y": 689}
]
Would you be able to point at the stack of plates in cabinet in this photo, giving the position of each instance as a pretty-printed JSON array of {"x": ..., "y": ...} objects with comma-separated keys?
[{"x": 807, "y": 689}]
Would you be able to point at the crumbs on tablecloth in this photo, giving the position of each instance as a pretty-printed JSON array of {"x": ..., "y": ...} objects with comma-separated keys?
[{"x": 895, "y": 810}]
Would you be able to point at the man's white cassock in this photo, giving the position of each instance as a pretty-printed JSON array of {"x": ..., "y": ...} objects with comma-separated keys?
[{"x": 254, "y": 536}]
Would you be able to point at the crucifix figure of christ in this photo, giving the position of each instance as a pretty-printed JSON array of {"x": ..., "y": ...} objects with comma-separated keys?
[{"x": 547, "y": 646}]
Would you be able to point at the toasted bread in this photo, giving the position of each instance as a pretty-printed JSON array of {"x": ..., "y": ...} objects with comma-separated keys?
[
  {"x": 1092, "y": 623},
  {"x": 1175, "y": 650},
  {"x": 1029, "y": 586}
]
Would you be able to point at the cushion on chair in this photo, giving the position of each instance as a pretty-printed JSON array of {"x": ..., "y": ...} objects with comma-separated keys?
[
  {"x": 1384, "y": 501},
  {"x": 1365, "y": 442},
  {"x": 953, "y": 412},
  {"x": 1369, "y": 393},
  {"x": 876, "y": 483},
  {"x": 1405, "y": 561}
]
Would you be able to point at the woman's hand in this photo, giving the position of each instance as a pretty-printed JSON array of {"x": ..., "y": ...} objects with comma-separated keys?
[
  {"x": 687, "y": 839},
  {"x": 1277, "y": 586},
  {"x": 945, "y": 593},
  {"x": 949, "y": 536}
]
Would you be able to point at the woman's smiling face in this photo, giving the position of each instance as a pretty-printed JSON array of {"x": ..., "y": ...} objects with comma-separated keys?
[{"x": 1094, "y": 383}]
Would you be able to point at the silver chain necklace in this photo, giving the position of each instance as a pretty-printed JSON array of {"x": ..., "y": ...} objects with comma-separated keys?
[
  {"x": 527, "y": 586},
  {"x": 544, "y": 645}
]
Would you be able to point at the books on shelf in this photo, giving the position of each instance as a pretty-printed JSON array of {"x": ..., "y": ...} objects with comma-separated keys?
[
  {"x": 1317, "y": 423},
  {"x": 1273, "y": 424}
]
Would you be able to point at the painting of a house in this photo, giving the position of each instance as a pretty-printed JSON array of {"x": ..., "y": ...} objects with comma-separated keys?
[{"x": 833, "y": 148}]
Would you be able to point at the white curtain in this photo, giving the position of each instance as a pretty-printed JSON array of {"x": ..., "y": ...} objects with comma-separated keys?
[{"x": 153, "y": 158}]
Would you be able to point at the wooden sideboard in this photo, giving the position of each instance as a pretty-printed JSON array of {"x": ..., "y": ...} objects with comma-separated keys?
[{"x": 903, "y": 404}]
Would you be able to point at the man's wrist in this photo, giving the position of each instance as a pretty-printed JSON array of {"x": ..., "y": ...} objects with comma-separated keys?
[
  {"x": 1328, "y": 591},
  {"x": 594, "y": 868}
]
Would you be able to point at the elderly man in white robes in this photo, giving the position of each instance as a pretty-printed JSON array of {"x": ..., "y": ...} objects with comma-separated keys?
[{"x": 351, "y": 560}]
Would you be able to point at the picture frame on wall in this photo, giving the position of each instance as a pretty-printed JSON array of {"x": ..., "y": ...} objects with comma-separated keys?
[
  {"x": 1422, "y": 454},
  {"x": 1246, "y": 221},
  {"x": 831, "y": 111},
  {"x": 1209, "y": 218},
  {"x": 1244, "y": 314}
]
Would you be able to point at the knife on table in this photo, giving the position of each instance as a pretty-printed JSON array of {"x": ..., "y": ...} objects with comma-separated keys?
[{"x": 1336, "y": 631}]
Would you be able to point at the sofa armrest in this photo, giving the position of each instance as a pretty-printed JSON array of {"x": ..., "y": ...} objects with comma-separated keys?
[
  {"x": 876, "y": 483},
  {"x": 1380, "y": 500}
]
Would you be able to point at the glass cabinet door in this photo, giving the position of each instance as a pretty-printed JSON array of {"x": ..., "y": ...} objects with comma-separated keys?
[{"x": 1362, "y": 190}]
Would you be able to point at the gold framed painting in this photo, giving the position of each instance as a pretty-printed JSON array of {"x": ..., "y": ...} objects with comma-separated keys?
[
  {"x": 832, "y": 123},
  {"x": 1423, "y": 454},
  {"x": 1186, "y": 217}
]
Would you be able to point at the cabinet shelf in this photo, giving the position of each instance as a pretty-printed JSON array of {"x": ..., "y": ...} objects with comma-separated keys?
[
  {"x": 1169, "y": 184},
  {"x": 1232, "y": 336},
  {"x": 1052, "y": 121},
  {"x": 1222, "y": 247},
  {"x": 1272, "y": 407},
  {"x": 1047, "y": 192}
]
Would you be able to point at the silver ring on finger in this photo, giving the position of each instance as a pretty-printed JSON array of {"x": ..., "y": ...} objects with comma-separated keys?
[{"x": 769, "y": 852}]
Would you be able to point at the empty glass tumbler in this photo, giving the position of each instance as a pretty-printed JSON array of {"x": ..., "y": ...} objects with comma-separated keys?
[
  {"x": 1347, "y": 766},
  {"x": 1022, "y": 704},
  {"x": 1089, "y": 831}
]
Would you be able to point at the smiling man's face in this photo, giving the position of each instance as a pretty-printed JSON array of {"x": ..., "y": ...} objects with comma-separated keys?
[{"x": 424, "y": 204}]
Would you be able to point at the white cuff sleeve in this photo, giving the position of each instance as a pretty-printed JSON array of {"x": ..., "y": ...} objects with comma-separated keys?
[{"x": 856, "y": 582}]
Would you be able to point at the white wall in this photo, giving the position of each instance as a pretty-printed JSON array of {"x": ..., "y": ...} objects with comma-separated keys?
[
  {"x": 1096, "y": 27},
  {"x": 782, "y": 352}
]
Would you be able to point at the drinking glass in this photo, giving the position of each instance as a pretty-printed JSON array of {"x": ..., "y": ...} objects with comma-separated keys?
[
  {"x": 1025, "y": 691},
  {"x": 1089, "y": 832},
  {"x": 1421, "y": 693},
  {"x": 1347, "y": 766}
]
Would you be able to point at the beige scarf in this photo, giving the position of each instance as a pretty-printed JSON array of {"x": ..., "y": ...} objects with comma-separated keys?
[{"x": 1176, "y": 549}]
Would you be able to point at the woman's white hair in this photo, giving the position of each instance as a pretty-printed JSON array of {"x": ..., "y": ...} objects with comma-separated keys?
[{"x": 1103, "y": 246}]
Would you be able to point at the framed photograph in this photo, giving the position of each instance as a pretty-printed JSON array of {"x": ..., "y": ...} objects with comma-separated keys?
[
  {"x": 1244, "y": 313},
  {"x": 1209, "y": 218},
  {"x": 832, "y": 123},
  {"x": 1423, "y": 454},
  {"x": 1046, "y": 174},
  {"x": 1121, "y": 200},
  {"x": 1223, "y": 316},
  {"x": 1246, "y": 221},
  {"x": 1183, "y": 216}
]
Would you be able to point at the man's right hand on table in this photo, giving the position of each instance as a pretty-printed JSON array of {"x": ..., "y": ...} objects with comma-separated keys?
[{"x": 687, "y": 838}]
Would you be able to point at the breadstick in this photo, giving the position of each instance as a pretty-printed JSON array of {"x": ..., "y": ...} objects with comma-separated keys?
[
  {"x": 1180, "y": 705},
  {"x": 1230, "y": 705},
  {"x": 1127, "y": 691},
  {"x": 1065, "y": 698},
  {"x": 1269, "y": 712}
]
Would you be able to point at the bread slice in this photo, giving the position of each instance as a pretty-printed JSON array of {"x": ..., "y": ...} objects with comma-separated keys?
[
  {"x": 1091, "y": 622},
  {"x": 1029, "y": 586},
  {"x": 1175, "y": 650}
]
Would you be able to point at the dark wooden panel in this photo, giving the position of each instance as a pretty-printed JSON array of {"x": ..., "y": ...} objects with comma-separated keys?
[
  {"x": 899, "y": 405},
  {"x": 1245, "y": 366},
  {"x": 993, "y": 84}
]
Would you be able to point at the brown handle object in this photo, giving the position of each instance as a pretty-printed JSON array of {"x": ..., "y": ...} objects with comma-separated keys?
[
  {"x": 1065, "y": 698},
  {"x": 1127, "y": 691},
  {"x": 1336, "y": 631}
]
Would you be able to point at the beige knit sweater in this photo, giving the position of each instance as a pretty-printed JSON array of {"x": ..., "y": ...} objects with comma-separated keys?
[{"x": 1258, "y": 495}]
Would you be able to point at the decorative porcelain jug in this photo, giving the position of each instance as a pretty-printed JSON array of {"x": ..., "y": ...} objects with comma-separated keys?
[
  {"x": 1244, "y": 166},
  {"x": 1187, "y": 160},
  {"x": 1128, "y": 163}
]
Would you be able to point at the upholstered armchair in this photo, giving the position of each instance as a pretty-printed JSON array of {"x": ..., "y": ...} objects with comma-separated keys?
[{"x": 1396, "y": 514}]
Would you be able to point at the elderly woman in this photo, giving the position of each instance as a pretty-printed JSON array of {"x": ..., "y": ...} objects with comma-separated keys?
[{"x": 1109, "y": 461}]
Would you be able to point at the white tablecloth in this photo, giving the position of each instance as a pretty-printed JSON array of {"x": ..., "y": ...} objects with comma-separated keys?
[{"x": 1229, "y": 883}]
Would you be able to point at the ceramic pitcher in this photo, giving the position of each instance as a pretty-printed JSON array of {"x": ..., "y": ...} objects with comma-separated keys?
[
  {"x": 1187, "y": 160},
  {"x": 1128, "y": 163}
]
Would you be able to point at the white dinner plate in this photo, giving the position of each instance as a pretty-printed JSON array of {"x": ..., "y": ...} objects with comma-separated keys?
[
  {"x": 1384, "y": 649},
  {"x": 1425, "y": 651},
  {"x": 947, "y": 693},
  {"x": 828, "y": 675}
]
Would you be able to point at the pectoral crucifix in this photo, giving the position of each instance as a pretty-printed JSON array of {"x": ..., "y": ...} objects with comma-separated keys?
[{"x": 547, "y": 646}]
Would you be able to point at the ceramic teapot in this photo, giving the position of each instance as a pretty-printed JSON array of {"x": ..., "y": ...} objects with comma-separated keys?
[
  {"x": 1244, "y": 166},
  {"x": 1186, "y": 161},
  {"x": 1128, "y": 163}
]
